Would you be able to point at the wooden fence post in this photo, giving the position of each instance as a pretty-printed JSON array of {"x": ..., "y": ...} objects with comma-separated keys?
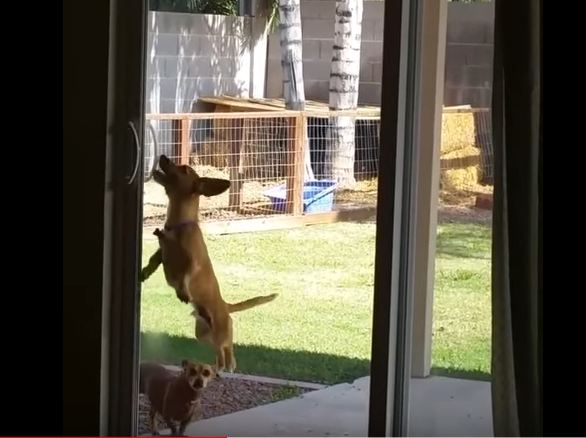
[
  {"x": 181, "y": 145},
  {"x": 295, "y": 164},
  {"x": 235, "y": 127}
]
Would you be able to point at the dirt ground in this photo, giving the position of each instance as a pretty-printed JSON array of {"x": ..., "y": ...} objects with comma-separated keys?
[{"x": 452, "y": 206}]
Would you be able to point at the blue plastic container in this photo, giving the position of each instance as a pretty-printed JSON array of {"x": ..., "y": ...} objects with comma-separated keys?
[{"x": 318, "y": 196}]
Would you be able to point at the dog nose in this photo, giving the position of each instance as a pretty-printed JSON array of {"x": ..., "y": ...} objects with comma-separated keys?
[{"x": 198, "y": 383}]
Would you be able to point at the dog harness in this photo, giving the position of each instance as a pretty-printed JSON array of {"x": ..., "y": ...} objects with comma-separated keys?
[{"x": 179, "y": 225}]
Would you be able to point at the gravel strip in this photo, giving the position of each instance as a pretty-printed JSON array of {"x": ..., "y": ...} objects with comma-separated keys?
[{"x": 224, "y": 396}]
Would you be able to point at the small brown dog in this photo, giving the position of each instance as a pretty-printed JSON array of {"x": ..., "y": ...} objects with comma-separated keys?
[
  {"x": 186, "y": 262},
  {"x": 175, "y": 397}
]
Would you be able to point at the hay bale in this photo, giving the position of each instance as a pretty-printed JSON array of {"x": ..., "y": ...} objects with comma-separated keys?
[
  {"x": 458, "y": 131},
  {"x": 460, "y": 169}
]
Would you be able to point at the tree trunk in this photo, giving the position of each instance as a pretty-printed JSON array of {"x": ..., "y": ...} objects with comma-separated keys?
[
  {"x": 344, "y": 78},
  {"x": 292, "y": 64}
]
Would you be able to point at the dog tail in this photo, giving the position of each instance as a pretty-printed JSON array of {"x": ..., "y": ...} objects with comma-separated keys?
[{"x": 251, "y": 302}]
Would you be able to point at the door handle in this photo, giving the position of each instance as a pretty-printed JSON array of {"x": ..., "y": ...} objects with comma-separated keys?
[{"x": 132, "y": 177}]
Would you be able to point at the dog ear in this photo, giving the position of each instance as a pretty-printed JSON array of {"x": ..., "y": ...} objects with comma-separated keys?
[{"x": 211, "y": 186}]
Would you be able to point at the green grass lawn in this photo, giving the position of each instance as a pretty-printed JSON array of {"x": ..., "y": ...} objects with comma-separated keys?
[
  {"x": 462, "y": 305},
  {"x": 319, "y": 328}
]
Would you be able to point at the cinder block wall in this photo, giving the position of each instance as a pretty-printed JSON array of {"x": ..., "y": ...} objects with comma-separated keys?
[
  {"x": 191, "y": 55},
  {"x": 468, "y": 53}
]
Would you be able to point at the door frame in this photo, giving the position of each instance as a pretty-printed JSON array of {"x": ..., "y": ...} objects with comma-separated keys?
[
  {"x": 103, "y": 91},
  {"x": 117, "y": 330},
  {"x": 123, "y": 231},
  {"x": 394, "y": 256}
]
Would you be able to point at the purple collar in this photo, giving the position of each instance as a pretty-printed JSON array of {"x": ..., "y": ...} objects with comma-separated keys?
[{"x": 179, "y": 225}]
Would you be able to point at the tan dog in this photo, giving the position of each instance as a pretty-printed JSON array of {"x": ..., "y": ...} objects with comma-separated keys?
[
  {"x": 187, "y": 265},
  {"x": 175, "y": 397}
]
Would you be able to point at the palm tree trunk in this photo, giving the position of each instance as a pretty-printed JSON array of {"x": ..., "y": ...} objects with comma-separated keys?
[
  {"x": 344, "y": 79},
  {"x": 292, "y": 63}
]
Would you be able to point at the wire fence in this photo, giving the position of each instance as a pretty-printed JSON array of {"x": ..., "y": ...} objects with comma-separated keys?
[
  {"x": 483, "y": 124},
  {"x": 286, "y": 162},
  {"x": 259, "y": 154},
  {"x": 366, "y": 139}
]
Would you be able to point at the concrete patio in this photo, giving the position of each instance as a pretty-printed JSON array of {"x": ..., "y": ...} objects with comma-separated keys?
[{"x": 440, "y": 406}]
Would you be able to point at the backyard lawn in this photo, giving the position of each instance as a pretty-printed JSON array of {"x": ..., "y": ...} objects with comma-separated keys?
[{"x": 319, "y": 327}]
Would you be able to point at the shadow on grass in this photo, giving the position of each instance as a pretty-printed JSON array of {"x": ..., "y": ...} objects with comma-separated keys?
[
  {"x": 461, "y": 374},
  {"x": 465, "y": 241},
  {"x": 255, "y": 359},
  {"x": 271, "y": 362}
]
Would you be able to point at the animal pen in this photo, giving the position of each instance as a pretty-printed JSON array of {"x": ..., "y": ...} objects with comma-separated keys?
[
  {"x": 263, "y": 154},
  {"x": 262, "y": 149}
]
